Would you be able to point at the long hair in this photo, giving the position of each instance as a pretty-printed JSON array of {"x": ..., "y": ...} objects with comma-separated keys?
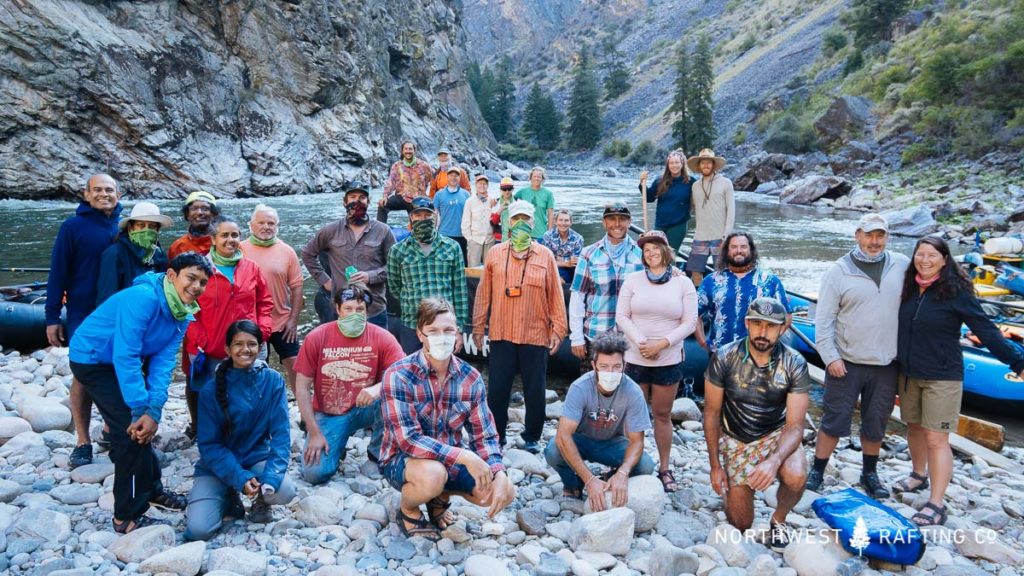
[
  {"x": 666, "y": 176},
  {"x": 952, "y": 279},
  {"x": 221, "y": 375},
  {"x": 720, "y": 260}
]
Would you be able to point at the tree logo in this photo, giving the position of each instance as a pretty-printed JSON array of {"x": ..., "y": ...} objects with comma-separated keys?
[{"x": 860, "y": 539}]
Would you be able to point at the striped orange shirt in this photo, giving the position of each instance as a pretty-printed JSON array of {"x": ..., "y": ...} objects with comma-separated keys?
[{"x": 535, "y": 315}]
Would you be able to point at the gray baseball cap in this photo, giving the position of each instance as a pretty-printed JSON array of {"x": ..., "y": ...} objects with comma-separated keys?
[
  {"x": 767, "y": 309},
  {"x": 873, "y": 221}
]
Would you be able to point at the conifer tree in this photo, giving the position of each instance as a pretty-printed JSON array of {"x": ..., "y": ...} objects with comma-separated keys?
[
  {"x": 680, "y": 111},
  {"x": 701, "y": 130},
  {"x": 502, "y": 100},
  {"x": 541, "y": 120},
  {"x": 616, "y": 83},
  {"x": 584, "y": 107}
]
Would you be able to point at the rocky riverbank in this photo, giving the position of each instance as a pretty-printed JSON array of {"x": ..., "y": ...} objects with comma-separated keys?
[{"x": 57, "y": 522}]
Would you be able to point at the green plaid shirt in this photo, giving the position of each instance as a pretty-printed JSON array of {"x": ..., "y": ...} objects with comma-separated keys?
[{"x": 413, "y": 276}]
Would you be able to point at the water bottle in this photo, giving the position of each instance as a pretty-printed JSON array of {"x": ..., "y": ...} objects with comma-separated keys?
[{"x": 852, "y": 566}]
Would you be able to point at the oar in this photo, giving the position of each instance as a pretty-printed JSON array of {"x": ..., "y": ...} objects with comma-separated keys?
[
  {"x": 643, "y": 203},
  {"x": 24, "y": 269}
]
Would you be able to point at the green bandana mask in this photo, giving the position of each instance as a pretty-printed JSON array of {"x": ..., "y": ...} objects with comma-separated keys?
[
  {"x": 222, "y": 261},
  {"x": 519, "y": 235},
  {"x": 262, "y": 243},
  {"x": 424, "y": 231},
  {"x": 352, "y": 325},
  {"x": 145, "y": 239},
  {"x": 409, "y": 163},
  {"x": 179, "y": 309}
]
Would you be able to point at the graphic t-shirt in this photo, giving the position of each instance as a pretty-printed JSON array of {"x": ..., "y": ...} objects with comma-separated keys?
[
  {"x": 341, "y": 366},
  {"x": 603, "y": 417}
]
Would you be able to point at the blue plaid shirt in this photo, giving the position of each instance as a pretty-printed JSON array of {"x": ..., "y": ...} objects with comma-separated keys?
[
  {"x": 598, "y": 280},
  {"x": 725, "y": 297}
]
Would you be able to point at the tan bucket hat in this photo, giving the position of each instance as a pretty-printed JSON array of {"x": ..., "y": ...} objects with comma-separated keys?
[
  {"x": 706, "y": 154},
  {"x": 146, "y": 212}
]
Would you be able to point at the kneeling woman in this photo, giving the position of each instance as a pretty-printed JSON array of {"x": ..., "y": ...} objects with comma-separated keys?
[{"x": 243, "y": 441}]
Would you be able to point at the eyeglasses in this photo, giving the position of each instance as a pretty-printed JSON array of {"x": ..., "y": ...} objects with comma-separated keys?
[{"x": 199, "y": 209}]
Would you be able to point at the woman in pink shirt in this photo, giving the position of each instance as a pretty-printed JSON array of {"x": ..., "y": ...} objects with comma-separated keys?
[{"x": 657, "y": 310}]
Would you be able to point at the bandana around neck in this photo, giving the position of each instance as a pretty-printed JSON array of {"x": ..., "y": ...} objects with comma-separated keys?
[{"x": 262, "y": 243}]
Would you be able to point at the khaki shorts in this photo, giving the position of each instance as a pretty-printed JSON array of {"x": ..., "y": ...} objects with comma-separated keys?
[{"x": 934, "y": 404}]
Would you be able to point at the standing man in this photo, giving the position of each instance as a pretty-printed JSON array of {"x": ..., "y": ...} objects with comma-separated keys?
[
  {"x": 199, "y": 211},
  {"x": 123, "y": 355},
  {"x": 714, "y": 209},
  {"x": 342, "y": 362},
  {"x": 603, "y": 420},
  {"x": 541, "y": 198},
  {"x": 725, "y": 295},
  {"x": 74, "y": 268},
  {"x": 440, "y": 180},
  {"x": 757, "y": 394},
  {"x": 353, "y": 242},
  {"x": 409, "y": 178},
  {"x": 519, "y": 300},
  {"x": 450, "y": 202},
  {"x": 426, "y": 265},
  {"x": 430, "y": 398},
  {"x": 280, "y": 267},
  {"x": 565, "y": 243},
  {"x": 476, "y": 223},
  {"x": 855, "y": 333},
  {"x": 602, "y": 269}
]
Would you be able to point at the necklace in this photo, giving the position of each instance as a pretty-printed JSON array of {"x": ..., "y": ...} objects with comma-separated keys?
[{"x": 706, "y": 190}]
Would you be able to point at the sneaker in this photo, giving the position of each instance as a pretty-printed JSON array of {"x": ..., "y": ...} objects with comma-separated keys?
[
  {"x": 778, "y": 537},
  {"x": 168, "y": 500},
  {"x": 873, "y": 486},
  {"x": 532, "y": 446},
  {"x": 235, "y": 510},
  {"x": 80, "y": 456},
  {"x": 260, "y": 512},
  {"x": 814, "y": 480}
]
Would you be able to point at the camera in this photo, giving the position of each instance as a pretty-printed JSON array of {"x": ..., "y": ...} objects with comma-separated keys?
[{"x": 513, "y": 291}]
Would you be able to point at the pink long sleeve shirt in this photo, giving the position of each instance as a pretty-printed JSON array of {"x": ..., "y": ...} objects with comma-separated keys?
[{"x": 646, "y": 310}]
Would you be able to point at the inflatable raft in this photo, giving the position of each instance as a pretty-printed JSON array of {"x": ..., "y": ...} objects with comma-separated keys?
[{"x": 23, "y": 317}]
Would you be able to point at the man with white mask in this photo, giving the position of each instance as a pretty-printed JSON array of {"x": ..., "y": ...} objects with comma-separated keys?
[
  {"x": 603, "y": 420},
  {"x": 429, "y": 400}
]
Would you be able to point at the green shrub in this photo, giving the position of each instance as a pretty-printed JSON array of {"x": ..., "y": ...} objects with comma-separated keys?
[
  {"x": 645, "y": 154},
  {"x": 740, "y": 137},
  {"x": 790, "y": 135},
  {"x": 854, "y": 62},
  {"x": 616, "y": 149},
  {"x": 748, "y": 42},
  {"x": 520, "y": 154},
  {"x": 833, "y": 41},
  {"x": 918, "y": 151}
]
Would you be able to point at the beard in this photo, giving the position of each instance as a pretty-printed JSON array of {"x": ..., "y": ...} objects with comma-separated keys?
[
  {"x": 738, "y": 261},
  {"x": 762, "y": 344}
]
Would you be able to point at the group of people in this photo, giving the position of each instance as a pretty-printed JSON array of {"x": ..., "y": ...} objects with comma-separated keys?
[{"x": 225, "y": 301}]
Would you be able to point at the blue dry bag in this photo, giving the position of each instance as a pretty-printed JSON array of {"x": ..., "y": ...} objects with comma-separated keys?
[{"x": 890, "y": 536}]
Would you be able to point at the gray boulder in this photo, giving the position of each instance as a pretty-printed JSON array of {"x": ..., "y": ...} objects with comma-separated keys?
[
  {"x": 238, "y": 560},
  {"x": 914, "y": 221},
  {"x": 143, "y": 543},
  {"x": 667, "y": 560},
  {"x": 808, "y": 189},
  {"x": 844, "y": 119},
  {"x": 184, "y": 560},
  {"x": 609, "y": 531}
]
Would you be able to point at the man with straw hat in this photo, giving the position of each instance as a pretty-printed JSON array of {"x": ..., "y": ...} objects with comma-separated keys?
[{"x": 714, "y": 208}]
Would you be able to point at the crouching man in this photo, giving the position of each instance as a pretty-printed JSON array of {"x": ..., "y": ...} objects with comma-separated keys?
[
  {"x": 756, "y": 393},
  {"x": 428, "y": 398},
  {"x": 603, "y": 420}
]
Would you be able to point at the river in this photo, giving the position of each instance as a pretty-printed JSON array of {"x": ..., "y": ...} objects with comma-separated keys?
[{"x": 798, "y": 243}]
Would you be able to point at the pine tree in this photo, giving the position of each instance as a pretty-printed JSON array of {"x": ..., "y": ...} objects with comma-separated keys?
[
  {"x": 616, "y": 83},
  {"x": 701, "y": 105},
  {"x": 473, "y": 78},
  {"x": 541, "y": 120},
  {"x": 502, "y": 100},
  {"x": 584, "y": 107},
  {"x": 486, "y": 96},
  {"x": 871, "y": 20},
  {"x": 680, "y": 108}
]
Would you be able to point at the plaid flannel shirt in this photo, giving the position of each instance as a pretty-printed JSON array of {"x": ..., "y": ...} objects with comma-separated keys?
[
  {"x": 413, "y": 276},
  {"x": 598, "y": 282},
  {"x": 423, "y": 422}
]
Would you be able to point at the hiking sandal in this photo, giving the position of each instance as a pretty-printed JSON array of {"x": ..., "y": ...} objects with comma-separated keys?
[
  {"x": 438, "y": 512},
  {"x": 936, "y": 519},
  {"x": 904, "y": 485},
  {"x": 668, "y": 480},
  {"x": 129, "y": 526},
  {"x": 421, "y": 527}
]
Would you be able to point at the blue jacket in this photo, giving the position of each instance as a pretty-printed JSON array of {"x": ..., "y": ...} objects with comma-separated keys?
[
  {"x": 132, "y": 327},
  {"x": 674, "y": 204},
  {"x": 75, "y": 263},
  {"x": 257, "y": 405},
  {"x": 121, "y": 264}
]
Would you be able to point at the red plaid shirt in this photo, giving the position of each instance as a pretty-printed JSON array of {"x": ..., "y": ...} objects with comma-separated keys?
[{"x": 423, "y": 421}]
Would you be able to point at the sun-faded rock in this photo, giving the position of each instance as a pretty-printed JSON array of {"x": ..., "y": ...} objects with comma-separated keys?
[
  {"x": 646, "y": 498},
  {"x": 11, "y": 426},
  {"x": 75, "y": 494},
  {"x": 184, "y": 560},
  {"x": 814, "y": 556},
  {"x": 46, "y": 525},
  {"x": 10, "y": 490},
  {"x": 44, "y": 414},
  {"x": 481, "y": 565},
  {"x": 94, "y": 473},
  {"x": 143, "y": 543},
  {"x": 238, "y": 560},
  {"x": 667, "y": 560},
  {"x": 985, "y": 543},
  {"x": 685, "y": 410},
  {"x": 609, "y": 531},
  {"x": 315, "y": 511},
  {"x": 531, "y": 520}
]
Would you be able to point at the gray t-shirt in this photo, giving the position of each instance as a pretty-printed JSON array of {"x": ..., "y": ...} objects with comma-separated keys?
[{"x": 605, "y": 417}]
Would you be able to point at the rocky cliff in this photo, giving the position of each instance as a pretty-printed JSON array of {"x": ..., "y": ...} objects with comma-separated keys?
[{"x": 240, "y": 97}]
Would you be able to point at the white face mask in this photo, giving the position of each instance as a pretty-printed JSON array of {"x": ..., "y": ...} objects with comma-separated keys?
[
  {"x": 609, "y": 381},
  {"x": 442, "y": 346}
]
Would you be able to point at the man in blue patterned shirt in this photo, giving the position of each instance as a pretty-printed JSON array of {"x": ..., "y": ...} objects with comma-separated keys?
[
  {"x": 565, "y": 243},
  {"x": 602, "y": 268},
  {"x": 725, "y": 295}
]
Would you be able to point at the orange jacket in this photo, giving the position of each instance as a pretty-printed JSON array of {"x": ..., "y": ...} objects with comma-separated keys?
[{"x": 441, "y": 181}]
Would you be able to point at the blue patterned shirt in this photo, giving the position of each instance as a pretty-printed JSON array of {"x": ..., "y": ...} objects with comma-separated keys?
[
  {"x": 565, "y": 250},
  {"x": 725, "y": 297},
  {"x": 598, "y": 279}
]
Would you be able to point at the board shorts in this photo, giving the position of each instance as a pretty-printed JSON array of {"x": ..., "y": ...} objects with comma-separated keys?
[{"x": 741, "y": 458}]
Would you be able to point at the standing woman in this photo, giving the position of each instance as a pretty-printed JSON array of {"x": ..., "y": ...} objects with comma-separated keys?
[
  {"x": 237, "y": 291},
  {"x": 937, "y": 299},
  {"x": 244, "y": 443},
  {"x": 657, "y": 310},
  {"x": 673, "y": 190},
  {"x": 499, "y": 213},
  {"x": 135, "y": 252}
]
